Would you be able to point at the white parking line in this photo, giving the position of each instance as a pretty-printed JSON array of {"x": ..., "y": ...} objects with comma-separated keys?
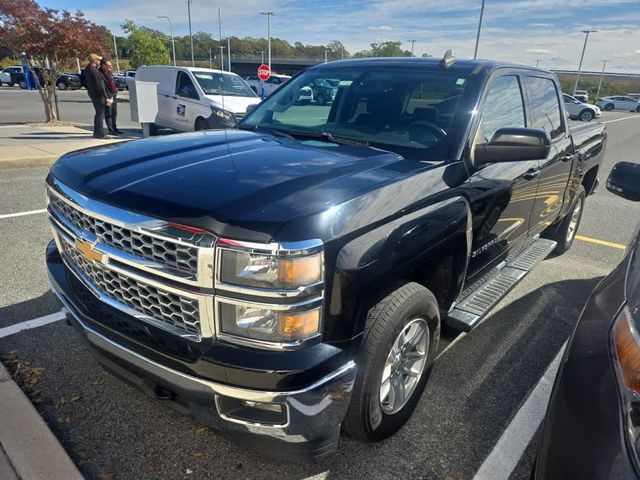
[
  {"x": 621, "y": 119},
  {"x": 514, "y": 440},
  {"x": 35, "y": 323},
  {"x": 22, "y": 214}
]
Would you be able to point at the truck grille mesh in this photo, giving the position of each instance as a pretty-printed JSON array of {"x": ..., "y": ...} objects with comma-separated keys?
[
  {"x": 178, "y": 313},
  {"x": 164, "y": 252}
]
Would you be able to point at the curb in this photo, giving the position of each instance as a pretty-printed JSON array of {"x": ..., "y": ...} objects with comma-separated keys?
[
  {"x": 28, "y": 449},
  {"x": 28, "y": 162}
]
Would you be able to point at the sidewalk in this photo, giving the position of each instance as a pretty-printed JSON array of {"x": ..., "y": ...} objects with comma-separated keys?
[
  {"x": 31, "y": 145},
  {"x": 28, "y": 449}
]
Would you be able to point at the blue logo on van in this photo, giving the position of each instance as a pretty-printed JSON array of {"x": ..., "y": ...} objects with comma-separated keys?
[{"x": 181, "y": 110}]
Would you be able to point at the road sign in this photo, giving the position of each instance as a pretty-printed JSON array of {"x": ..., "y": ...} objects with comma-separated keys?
[{"x": 264, "y": 72}]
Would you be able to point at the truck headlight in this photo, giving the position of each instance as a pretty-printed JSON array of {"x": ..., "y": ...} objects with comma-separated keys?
[
  {"x": 267, "y": 323},
  {"x": 269, "y": 271}
]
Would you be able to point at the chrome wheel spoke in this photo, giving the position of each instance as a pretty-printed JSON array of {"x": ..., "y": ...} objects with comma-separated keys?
[
  {"x": 415, "y": 334},
  {"x": 397, "y": 386}
]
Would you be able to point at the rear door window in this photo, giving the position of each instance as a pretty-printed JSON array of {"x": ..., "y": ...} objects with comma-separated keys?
[
  {"x": 546, "y": 106},
  {"x": 503, "y": 107}
]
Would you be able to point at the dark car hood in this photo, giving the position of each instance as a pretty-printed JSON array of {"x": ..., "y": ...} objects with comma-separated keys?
[{"x": 236, "y": 183}]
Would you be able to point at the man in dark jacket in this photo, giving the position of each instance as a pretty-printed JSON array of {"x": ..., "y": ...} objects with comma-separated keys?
[
  {"x": 97, "y": 92},
  {"x": 111, "y": 111}
]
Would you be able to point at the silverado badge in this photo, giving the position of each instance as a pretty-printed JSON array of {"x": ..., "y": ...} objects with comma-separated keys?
[{"x": 87, "y": 251}]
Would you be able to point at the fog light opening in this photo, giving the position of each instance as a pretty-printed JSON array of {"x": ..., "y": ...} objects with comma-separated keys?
[{"x": 251, "y": 412}]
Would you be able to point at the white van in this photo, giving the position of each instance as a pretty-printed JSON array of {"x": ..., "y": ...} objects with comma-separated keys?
[{"x": 198, "y": 98}]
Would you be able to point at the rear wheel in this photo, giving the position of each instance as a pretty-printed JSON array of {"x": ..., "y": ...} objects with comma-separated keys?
[
  {"x": 608, "y": 107},
  {"x": 62, "y": 85},
  {"x": 565, "y": 232},
  {"x": 400, "y": 342},
  {"x": 11, "y": 84},
  {"x": 23, "y": 84},
  {"x": 586, "y": 115}
]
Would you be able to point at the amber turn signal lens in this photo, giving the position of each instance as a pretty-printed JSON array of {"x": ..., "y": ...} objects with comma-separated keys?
[
  {"x": 628, "y": 351},
  {"x": 294, "y": 326},
  {"x": 300, "y": 271}
]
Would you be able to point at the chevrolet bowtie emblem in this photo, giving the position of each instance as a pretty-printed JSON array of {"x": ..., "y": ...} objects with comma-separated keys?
[{"x": 87, "y": 251}]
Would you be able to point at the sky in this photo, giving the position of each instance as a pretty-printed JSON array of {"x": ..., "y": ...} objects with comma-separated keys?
[{"x": 521, "y": 31}]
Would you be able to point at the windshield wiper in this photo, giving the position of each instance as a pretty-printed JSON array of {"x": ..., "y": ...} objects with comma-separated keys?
[
  {"x": 329, "y": 137},
  {"x": 273, "y": 131}
]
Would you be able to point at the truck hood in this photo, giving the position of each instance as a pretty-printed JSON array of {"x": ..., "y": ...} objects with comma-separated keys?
[
  {"x": 234, "y": 104},
  {"x": 236, "y": 183}
]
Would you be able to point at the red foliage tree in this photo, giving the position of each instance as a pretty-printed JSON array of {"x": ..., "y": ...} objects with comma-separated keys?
[{"x": 49, "y": 38}]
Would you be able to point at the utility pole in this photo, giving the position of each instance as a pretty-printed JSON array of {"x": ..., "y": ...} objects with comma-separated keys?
[
  {"x": 604, "y": 64},
  {"x": 269, "y": 15},
  {"x": 210, "y": 63},
  {"x": 173, "y": 42},
  {"x": 584, "y": 47},
  {"x": 221, "y": 58},
  {"x": 475, "y": 53},
  {"x": 115, "y": 49},
  {"x": 413, "y": 42},
  {"x": 538, "y": 62},
  {"x": 229, "y": 52},
  {"x": 325, "y": 56},
  {"x": 262, "y": 54},
  {"x": 193, "y": 61}
]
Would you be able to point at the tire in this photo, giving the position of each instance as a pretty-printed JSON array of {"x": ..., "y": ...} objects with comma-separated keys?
[
  {"x": 201, "y": 124},
  {"x": 62, "y": 85},
  {"x": 321, "y": 99},
  {"x": 22, "y": 84},
  {"x": 586, "y": 115},
  {"x": 565, "y": 232},
  {"x": 11, "y": 84},
  {"x": 369, "y": 417},
  {"x": 638, "y": 109},
  {"x": 608, "y": 107}
]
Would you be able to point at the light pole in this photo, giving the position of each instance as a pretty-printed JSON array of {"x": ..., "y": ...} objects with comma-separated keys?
[
  {"x": 173, "y": 42},
  {"x": 221, "y": 58},
  {"x": 115, "y": 48},
  {"x": 475, "y": 53},
  {"x": 262, "y": 54},
  {"x": 193, "y": 62},
  {"x": 325, "y": 56},
  {"x": 269, "y": 15},
  {"x": 584, "y": 47},
  {"x": 229, "y": 52},
  {"x": 604, "y": 64},
  {"x": 538, "y": 62},
  {"x": 413, "y": 42}
]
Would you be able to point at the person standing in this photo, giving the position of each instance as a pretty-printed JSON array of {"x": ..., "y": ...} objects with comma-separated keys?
[
  {"x": 97, "y": 93},
  {"x": 111, "y": 111}
]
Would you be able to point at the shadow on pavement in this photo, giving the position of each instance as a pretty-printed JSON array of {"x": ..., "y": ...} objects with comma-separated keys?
[{"x": 28, "y": 310}]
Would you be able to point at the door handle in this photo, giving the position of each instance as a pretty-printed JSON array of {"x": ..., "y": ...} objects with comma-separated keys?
[
  {"x": 568, "y": 158},
  {"x": 531, "y": 174}
]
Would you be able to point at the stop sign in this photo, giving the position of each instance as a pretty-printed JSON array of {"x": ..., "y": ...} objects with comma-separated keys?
[{"x": 264, "y": 72}]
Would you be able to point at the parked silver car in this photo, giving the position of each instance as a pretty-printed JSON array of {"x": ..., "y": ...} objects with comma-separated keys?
[
  {"x": 582, "y": 95},
  {"x": 578, "y": 110},
  {"x": 5, "y": 74},
  {"x": 618, "y": 103}
]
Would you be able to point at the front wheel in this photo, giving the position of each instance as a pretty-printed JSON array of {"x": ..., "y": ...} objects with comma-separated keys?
[
  {"x": 565, "y": 232},
  {"x": 22, "y": 84},
  {"x": 608, "y": 107},
  {"x": 586, "y": 115},
  {"x": 638, "y": 109},
  {"x": 61, "y": 85},
  {"x": 201, "y": 124},
  {"x": 399, "y": 344}
]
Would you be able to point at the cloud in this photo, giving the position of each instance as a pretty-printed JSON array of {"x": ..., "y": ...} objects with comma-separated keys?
[
  {"x": 381, "y": 28},
  {"x": 537, "y": 50}
]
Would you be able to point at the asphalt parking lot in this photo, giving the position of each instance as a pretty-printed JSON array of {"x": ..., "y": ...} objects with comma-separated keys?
[{"x": 474, "y": 401}]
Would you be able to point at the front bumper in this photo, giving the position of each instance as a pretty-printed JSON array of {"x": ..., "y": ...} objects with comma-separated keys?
[{"x": 313, "y": 413}]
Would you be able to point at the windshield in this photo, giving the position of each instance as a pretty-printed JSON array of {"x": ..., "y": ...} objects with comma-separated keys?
[
  {"x": 223, "y": 84},
  {"x": 408, "y": 111}
]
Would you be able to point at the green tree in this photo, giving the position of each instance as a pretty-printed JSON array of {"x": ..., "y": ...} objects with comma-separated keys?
[
  {"x": 384, "y": 49},
  {"x": 147, "y": 46}
]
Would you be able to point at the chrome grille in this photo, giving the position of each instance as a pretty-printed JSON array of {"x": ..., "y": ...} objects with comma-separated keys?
[
  {"x": 176, "y": 312},
  {"x": 164, "y": 252}
]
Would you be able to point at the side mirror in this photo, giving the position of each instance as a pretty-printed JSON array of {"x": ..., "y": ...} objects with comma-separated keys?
[
  {"x": 624, "y": 180},
  {"x": 514, "y": 145},
  {"x": 250, "y": 107}
]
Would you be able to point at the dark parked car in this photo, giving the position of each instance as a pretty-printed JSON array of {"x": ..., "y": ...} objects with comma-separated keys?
[
  {"x": 592, "y": 428},
  {"x": 288, "y": 277},
  {"x": 64, "y": 81},
  {"x": 324, "y": 90}
]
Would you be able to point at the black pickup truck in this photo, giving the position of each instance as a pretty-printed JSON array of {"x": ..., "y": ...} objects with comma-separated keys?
[{"x": 288, "y": 277}]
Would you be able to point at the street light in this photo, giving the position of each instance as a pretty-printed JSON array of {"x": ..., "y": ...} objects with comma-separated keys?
[
  {"x": 475, "y": 53},
  {"x": 269, "y": 15},
  {"x": 604, "y": 64},
  {"x": 173, "y": 42},
  {"x": 193, "y": 62},
  {"x": 538, "y": 62},
  {"x": 584, "y": 47},
  {"x": 413, "y": 42}
]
